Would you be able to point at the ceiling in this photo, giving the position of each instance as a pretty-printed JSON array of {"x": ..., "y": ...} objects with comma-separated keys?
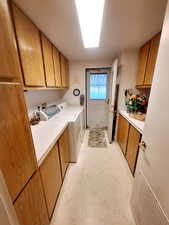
[{"x": 126, "y": 24}]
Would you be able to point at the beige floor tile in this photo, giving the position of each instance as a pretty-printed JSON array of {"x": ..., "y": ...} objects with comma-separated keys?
[{"x": 96, "y": 190}]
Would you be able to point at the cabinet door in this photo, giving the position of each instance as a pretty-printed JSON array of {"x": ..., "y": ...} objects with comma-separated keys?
[
  {"x": 143, "y": 57},
  {"x": 67, "y": 72},
  {"x": 132, "y": 147},
  {"x": 9, "y": 60},
  {"x": 152, "y": 59},
  {"x": 63, "y": 70},
  {"x": 48, "y": 61},
  {"x": 17, "y": 157},
  {"x": 30, "y": 49},
  {"x": 122, "y": 133},
  {"x": 56, "y": 59},
  {"x": 51, "y": 178},
  {"x": 30, "y": 205},
  {"x": 64, "y": 151}
]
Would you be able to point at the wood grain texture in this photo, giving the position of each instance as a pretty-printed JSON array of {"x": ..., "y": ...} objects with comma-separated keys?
[
  {"x": 132, "y": 147},
  {"x": 17, "y": 155},
  {"x": 30, "y": 205},
  {"x": 67, "y": 73},
  {"x": 122, "y": 133},
  {"x": 48, "y": 61},
  {"x": 50, "y": 172},
  {"x": 64, "y": 151},
  {"x": 152, "y": 59},
  {"x": 9, "y": 59},
  {"x": 63, "y": 70},
  {"x": 143, "y": 57},
  {"x": 56, "y": 60},
  {"x": 30, "y": 49}
]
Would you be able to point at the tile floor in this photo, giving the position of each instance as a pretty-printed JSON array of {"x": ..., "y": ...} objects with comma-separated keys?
[{"x": 96, "y": 190}]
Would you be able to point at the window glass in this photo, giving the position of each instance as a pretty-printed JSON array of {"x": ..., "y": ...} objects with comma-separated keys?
[{"x": 98, "y": 86}]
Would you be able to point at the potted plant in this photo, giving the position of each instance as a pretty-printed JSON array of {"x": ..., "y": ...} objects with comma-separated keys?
[{"x": 137, "y": 106}]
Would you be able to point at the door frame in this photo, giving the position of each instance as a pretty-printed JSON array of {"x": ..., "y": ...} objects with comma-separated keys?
[{"x": 95, "y": 70}]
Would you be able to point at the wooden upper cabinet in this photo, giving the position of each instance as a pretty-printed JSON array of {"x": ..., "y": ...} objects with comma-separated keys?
[
  {"x": 28, "y": 37},
  {"x": 67, "y": 72},
  {"x": 63, "y": 70},
  {"x": 48, "y": 61},
  {"x": 57, "y": 67},
  {"x": 64, "y": 151},
  {"x": 143, "y": 58},
  {"x": 122, "y": 133},
  {"x": 154, "y": 45},
  {"x": 9, "y": 60},
  {"x": 30, "y": 205},
  {"x": 132, "y": 147},
  {"x": 51, "y": 178},
  {"x": 17, "y": 156}
]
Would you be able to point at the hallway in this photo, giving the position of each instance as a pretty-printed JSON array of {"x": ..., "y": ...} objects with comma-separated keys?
[{"x": 96, "y": 190}]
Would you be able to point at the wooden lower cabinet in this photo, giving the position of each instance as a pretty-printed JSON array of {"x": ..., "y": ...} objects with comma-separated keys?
[
  {"x": 51, "y": 178},
  {"x": 64, "y": 151},
  {"x": 30, "y": 205},
  {"x": 132, "y": 147},
  {"x": 17, "y": 154},
  {"x": 122, "y": 133}
]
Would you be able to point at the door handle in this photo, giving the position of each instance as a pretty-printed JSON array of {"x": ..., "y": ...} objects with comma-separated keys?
[
  {"x": 143, "y": 146},
  {"x": 107, "y": 101}
]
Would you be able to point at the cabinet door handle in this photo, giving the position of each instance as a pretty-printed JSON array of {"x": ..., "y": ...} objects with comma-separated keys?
[{"x": 143, "y": 146}]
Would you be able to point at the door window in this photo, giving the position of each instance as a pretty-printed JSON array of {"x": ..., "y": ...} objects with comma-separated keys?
[{"x": 98, "y": 86}]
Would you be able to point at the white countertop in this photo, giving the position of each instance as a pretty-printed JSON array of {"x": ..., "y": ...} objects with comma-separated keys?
[
  {"x": 138, "y": 124},
  {"x": 46, "y": 133}
]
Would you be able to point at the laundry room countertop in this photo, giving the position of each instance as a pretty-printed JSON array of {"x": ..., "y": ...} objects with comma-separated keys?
[
  {"x": 138, "y": 124},
  {"x": 46, "y": 133}
]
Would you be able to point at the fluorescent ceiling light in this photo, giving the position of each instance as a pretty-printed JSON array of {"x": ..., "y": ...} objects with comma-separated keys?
[{"x": 90, "y": 13}]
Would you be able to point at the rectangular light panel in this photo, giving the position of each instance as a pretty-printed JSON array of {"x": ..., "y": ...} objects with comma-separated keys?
[{"x": 90, "y": 14}]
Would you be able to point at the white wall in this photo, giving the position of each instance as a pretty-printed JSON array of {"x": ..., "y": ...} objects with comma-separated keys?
[
  {"x": 128, "y": 70},
  {"x": 77, "y": 78},
  {"x": 35, "y": 98}
]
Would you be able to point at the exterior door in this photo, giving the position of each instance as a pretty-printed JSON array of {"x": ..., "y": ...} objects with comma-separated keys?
[
  {"x": 97, "y": 97},
  {"x": 112, "y": 99},
  {"x": 150, "y": 199}
]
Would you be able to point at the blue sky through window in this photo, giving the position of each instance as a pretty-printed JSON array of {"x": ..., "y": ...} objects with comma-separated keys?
[{"x": 98, "y": 86}]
